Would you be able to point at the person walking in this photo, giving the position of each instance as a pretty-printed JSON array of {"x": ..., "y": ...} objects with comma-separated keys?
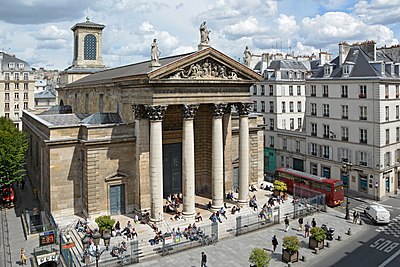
[
  {"x": 286, "y": 224},
  {"x": 313, "y": 223},
  {"x": 307, "y": 230},
  {"x": 203, "y": 259},
  {"x": 23, "y": 256},
  {"x": 355, "y": 217},
  {"x": 301, "y": 224},
  {"x": 274, "y": 243}
]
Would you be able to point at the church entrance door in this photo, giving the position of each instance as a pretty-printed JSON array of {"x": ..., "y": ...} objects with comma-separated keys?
[{"x": 172, "y": 169}]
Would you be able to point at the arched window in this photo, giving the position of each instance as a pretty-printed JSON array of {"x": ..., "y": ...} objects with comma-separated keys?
[
  {"x": 76, "y": 48},
  {"x": 90, "y": 47}
]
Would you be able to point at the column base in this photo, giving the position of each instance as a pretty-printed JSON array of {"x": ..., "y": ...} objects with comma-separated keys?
[
  {"x": 243, "y": 203},
  {"x": 189, "y": 216},
  {"x": 216, "y": 208},
  {"x": 158, "y": 220}
]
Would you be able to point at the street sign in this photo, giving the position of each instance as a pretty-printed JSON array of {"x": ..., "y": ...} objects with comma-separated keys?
[{"x": 68, "y": 246}]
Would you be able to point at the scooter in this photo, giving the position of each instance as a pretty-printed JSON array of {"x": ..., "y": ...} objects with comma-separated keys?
[{"x": 328, "y": 231}]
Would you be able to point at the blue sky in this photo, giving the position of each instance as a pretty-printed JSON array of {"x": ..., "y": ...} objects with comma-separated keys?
[{"x": 38, "y": 31}]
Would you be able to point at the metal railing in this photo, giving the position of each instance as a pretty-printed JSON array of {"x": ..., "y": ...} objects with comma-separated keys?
[{"x": 255, "y": 221}]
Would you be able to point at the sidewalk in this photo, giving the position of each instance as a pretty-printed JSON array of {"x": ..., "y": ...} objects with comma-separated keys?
[{"x": 236, "y": 251}]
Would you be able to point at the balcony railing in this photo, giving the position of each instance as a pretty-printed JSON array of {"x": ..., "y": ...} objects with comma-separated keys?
[
  {"x": 326, "y": 135},
  {"x": 313, "y": 153},
  {"x": 345, "y": 138},
  {"x": 345, "y": 95},
  {"x": 313, "y": 133},
  {"x": 362, "y": 118},
  {"x": 362, "y": 96},
  {"x": 313, "y": 113},
  {"x": 363, "y": 141},
  {"x": 313, "y": 94},
  {"x": 325, "y": 95},
  {"x": 345, "y": 117},
  {"x": 326, "y": 114}
]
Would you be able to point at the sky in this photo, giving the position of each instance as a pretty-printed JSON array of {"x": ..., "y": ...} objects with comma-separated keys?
[{"x": 39, "y": 31}]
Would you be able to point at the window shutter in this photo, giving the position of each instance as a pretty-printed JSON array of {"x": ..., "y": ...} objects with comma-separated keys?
[
  {"x": 330, "y": 153},
  {"x": 357, "y": 161}
]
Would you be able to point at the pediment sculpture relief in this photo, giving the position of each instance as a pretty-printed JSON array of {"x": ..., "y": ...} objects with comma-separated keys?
[{"x": 206, "y": 69}]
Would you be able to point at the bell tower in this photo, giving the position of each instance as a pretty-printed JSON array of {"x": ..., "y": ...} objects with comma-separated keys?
[{"x": 88, "y": 45}]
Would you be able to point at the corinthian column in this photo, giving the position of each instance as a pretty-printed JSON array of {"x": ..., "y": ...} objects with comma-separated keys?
[
  {"x": 189, "y": 112},
  {"x": 156, "y": 114},
  {"x": 243, "y": 109},
  {"x": 217, "y": 157}
]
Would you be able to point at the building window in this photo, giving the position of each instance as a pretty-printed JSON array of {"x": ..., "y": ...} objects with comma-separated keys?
[
  {"x": 25, "y": 105},
  {"x": 26, "y": 76},
  {"x": 397, "y": 155},
  {"x": 7, "y": 106},
  {"x": 7, "y": 86},
  {"x": 386, "y": 91},
  {"x": 326, "y": 131},
  {"x": 397, "y": 91},
  {"x": 298, "y": 106},
  {"x": 326, "y": 152},
  {"x": 283, "y": 107},
  {"x": 387, "y": 134},
  {"x": 314, "y": 109},
  {"x": 299, "y": 123},
  {"x": 26, "y": 86},
  {"x": 262, "y": 106},
  {"x": 345, "y": 112},
  {"x": 298, "y": 90},
  {"x": 325, "y": 91},
  {"x": 271, "y": 124},
  {"x": 25, "y": 96},
  {"x": 7, "y": 115},
  {"x": 16, "y": 86},
  {"x": 16, "y": 115},
  {"x": 386, "y": 113},
  {"x": 291, "y": 124},
  {"x": 397, "y": 134},
  {"x": 271, "y": 106},
  {"x": 363, "y": 91},
  {"x": 344, "y": 153},
  {"x": 345, "y": 134},
  {"x": 254, "y": 89},
  {"x": 387, "y": 159},
  {"x": 283, "y": 123},
  {"x": 90, "y": 47},
  {"x": 7, "y": 96},
  {"x": 262, "y": 89},
  {"x": 101, "y": 103},
  {"x": 21, "y": 66},
  {"x": 298, "y": 146},
  {"x": 397, "y": 112},
  {"x": 363, "y": 136},
  {"x": 325, "y": 110},
  {"x": 363, "y": 113},
  {"x": 363, "y": 158},
  {"x": 327, "y": 70},
  {"x": 314, "y": 168},
  {"x": 314, "y": 149},
  {"x": 271, "y": 141},
  {"x": 313, "y": 129},
  {"x": 16, "y": 106},
  {"x": 255, "y": 106},
  {"x": 313, "y": 90},
  {"x": 271, "y": 89},
  {"x": 16, "y": 96},
  {"x": 291, "y": 108},
  {"x": 363, "y": 183},
  {"x": 7, "y": 76},
  {"x": 16, "y": 76},
  {"x": 290, "y": 90},
  {"x": 284, "y": 140},
  {"x": 345, "y": 91},
  {"x": 87, "y": 103}
]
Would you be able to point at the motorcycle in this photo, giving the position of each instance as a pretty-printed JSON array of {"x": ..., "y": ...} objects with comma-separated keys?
[{"x": 328, "y": 231}]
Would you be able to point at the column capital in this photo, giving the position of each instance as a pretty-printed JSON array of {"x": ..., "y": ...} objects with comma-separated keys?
[
  {"x": 139, "y": 111},
  {"x": 156, "y": 113},
  {"x": 189, "y": 111},
  {"x": 218, "y": 110},
  {"x": 243, "y": 108}
]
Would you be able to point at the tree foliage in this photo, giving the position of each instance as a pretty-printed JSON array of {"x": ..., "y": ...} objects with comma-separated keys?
[
  {"x": 13, "y": 146},
  {"x": 105, "y": 222},
  {"x": 291, "y": 243},
  {"x": 280, "y": 186},
  {"x": 259, "y": 257},
  {"x": 318, "y": 234}
]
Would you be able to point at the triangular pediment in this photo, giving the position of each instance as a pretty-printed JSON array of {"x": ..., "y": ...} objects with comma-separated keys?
[
  {"x": 207, "y": 64},
  {"x": 115, "y": 176}
]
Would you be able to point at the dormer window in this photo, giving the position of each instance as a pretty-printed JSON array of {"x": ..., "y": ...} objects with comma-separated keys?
[
  {"x": 11, "y": 65},
  {"x": 327, "y": 70},
  {"x": 346, "y": 69},
  {"x": 21, "y": 66}
]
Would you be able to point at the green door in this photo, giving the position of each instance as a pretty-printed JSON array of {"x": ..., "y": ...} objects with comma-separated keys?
[
  {"x": 172, "y": 169},
  {"x": 117, "y": 199}
]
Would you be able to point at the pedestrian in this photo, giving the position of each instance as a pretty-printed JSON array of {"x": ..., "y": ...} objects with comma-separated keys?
[
  {"x": 274, "y": 243},
  {"x": 313, "y": 223},
  {"x": 23, "y": 256},
  {"x": 301, "y": 224},
  {"x": 307, "y": 230},
  {"x": 355, "y": 216},
  {"x": 203, "y": 259},
  {"x": 286, "y": 224}
]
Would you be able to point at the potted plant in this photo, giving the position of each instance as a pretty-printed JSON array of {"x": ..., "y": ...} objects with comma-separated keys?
[
  {"x": 259, "y": 257},
  {"x": 291, "y": 246},
  {"x": 279, "y": 188},
  {"x": 317, "y": 238},
  {"x": 105, "y": 222}
]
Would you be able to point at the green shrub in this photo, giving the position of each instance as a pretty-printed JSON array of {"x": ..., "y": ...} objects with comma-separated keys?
[
  {"x": 259, "y": 257},
  {"x": 105, "y": 222},
  {"x": 280, "y": 186},
  {"x": 291, "y": 243},
  {"x": 318, "y": 234}
]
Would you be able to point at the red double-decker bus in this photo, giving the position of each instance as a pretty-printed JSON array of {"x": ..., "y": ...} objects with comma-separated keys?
[{"x": 333, "y": 189}]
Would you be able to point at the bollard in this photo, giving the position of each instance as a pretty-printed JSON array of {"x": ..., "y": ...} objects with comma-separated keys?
[
  {"x": 316, "y": 250},
  {"x": 339, "y": 238},
  {"x": 289, "y": 264},
  {"x": 303, "y": 258},
  {"x": 349, "y": 231},
  {"x": 327, "y": 244},
  {"x": 361, "y": 222}
]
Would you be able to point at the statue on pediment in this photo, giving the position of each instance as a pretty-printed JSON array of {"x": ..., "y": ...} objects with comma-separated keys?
[
  {"x": 246, "y": 57},
  {"x": 155, "y": 54},
  {"x": 204, "y": 34}
]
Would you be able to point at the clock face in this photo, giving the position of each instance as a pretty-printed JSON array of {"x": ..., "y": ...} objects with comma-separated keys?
[{"x": 90, "y": 48}]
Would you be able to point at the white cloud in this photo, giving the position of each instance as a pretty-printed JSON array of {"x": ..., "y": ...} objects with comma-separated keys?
[
  {"x": 378, "y": 11},
  {"x": 247, "y": 27},
  {"x": 286, "y": 26},
  {"x": 52, "y": 32}
]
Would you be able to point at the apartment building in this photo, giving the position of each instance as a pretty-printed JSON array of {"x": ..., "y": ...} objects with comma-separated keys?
[
  {"x": 16, "y": 87},
  {"x": 352, "y": 119}
]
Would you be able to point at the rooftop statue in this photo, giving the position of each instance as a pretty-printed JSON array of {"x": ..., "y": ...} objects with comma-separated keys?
[
  {"x": 155, "y": 54},
  {"x": 246, "y": 57},
  {"x": 204, "y": 34}
]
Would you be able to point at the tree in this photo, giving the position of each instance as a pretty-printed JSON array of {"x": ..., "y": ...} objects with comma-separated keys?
[
  {"x": 291, "y": 243},
  {"x": 105, "y": 222},
  {"x": 259, "y": 257},
  {"x": 13, "y": 146},
  {"x": 280, "y": 186},
  {"x": 318, "y": 234}
]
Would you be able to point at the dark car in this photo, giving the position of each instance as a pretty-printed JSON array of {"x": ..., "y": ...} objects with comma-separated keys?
[{"x": 7, "y": 197}]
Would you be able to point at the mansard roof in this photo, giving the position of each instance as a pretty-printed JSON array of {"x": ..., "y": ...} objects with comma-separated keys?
[{"x": 285, "y": 64}]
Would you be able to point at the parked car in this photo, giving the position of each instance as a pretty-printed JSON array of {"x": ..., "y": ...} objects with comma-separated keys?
[
  {"x": 377, "y": 214},
  {"x": 7, "y": 197}
]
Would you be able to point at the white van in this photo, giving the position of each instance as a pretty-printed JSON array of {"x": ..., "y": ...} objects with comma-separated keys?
[{"x": 377, "y": 214}]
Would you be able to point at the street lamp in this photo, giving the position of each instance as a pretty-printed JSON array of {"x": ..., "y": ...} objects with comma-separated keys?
[
  {"x": 347, "y": 168},
  {"x": 96, "y": 236}
]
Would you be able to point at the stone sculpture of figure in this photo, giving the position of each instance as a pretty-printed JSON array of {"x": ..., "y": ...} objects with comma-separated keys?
[
  {"x": 155, "y": 53},
  {"x": 204, "y": 34},
  {"x": 247, "y": 56}
]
